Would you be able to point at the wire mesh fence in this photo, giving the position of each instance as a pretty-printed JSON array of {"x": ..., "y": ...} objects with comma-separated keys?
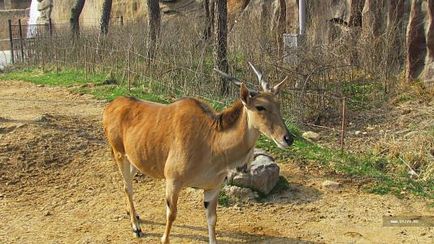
[{"x": 315, "y": 94}]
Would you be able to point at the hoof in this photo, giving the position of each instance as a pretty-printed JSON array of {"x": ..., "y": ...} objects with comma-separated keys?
[
  {"x": 137, "y": 216},
  {"x": 137, "y": 233}
]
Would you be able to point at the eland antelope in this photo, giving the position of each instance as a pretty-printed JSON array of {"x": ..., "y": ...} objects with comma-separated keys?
[{"x": 188, "y": 144}]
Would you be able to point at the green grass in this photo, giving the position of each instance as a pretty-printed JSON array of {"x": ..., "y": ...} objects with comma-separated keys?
[
  {"x": 78, "y": 80},
  {"x": 367, "y": 166},
  {"x": 223, "y": 199},
  {"x": 111, "y": 92},
  {"x": 52, "y": 78}
]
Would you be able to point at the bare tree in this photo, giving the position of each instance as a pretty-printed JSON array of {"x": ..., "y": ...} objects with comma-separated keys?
[
  {"x": 154, "y": 23},
  {"x": 208, "y": 6},
  {"x": 395, "y": 26},
  {"x": 220, "y": 51},
  {"x": 105, "y": 16},
  {"x": 430, "y": 34},
  {"x": 429, "y": 62},
  {"x": 356, "y": 8},
  {"x": 75, "y": 16},
  {"x": 416, "y": 42},
  {"x": 372, "y": 18},
  {"x": 281, "y": 26}
]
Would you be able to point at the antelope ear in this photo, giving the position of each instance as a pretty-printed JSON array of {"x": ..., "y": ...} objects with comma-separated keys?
[
  {"x": 276, "y": 89},
  {"x": 244, "y": 95}
]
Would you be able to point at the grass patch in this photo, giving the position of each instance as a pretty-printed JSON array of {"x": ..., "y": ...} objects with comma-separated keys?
[
  {"x": 111, "y": 92},
  {"x": 46, "y": 77},
  {"x": 78, "y": 78},
  {"x": 367, "y": 166},
  {"x": 224, "y": 200}
]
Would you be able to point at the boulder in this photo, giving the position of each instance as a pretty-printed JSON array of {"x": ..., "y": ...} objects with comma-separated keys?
[
  {"x": 261, "y": 175},
  {"x": 264, "y": 174}
]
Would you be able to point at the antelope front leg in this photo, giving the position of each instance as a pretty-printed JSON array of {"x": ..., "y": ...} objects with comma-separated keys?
[
  {"x": 172, "y": 193},
  {"x": 210, "y": 203}
]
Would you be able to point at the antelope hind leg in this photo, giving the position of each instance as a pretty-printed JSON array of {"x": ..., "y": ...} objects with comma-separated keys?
[{"x": 128, "y": 171}]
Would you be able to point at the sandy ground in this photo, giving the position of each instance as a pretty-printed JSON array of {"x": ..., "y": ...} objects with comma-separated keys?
[{"x": 58, "y": 184}]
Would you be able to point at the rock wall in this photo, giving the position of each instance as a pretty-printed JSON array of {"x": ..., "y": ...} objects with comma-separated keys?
[{"x": 131, "y": 10}]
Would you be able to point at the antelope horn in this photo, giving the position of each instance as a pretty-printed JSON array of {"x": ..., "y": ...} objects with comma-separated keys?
[{"x": 264, "y": 84}]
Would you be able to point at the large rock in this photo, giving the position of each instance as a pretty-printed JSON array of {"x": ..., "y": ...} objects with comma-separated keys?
[
  {"x": 261, "y": 175},
  {"x": 44, "y": 7}
]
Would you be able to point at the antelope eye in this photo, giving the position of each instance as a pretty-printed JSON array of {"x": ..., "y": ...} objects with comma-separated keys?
[{"x": 260, "y": 108}]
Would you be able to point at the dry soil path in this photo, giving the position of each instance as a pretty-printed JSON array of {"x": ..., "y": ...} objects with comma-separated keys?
[{"x": 59, "y": 185}]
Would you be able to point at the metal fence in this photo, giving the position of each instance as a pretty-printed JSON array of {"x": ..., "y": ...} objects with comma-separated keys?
[{"x": 316, "y": 99}]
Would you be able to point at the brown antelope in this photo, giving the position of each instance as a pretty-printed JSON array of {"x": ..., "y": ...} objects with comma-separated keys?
[{"x": 190, "y": 145}]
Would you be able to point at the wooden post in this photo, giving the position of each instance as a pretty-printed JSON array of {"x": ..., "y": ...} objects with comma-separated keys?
[
  {"x": 50, "y": 27},
  {"x": 128, "y": 71},
  {"x": 122, "y": 20},
  {"x": 85, "y": 62},
  {"x": 11, "y": 41},
  {"x": 343, "y": 125},
  {"x": 21, "y": 40}
]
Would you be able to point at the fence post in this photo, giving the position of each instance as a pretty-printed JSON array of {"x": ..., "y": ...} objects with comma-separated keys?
[
  {"x": 21, "y": 40},
  {"x": 343, "y": 125},
  {"x": 50, "y": 27},
  {"x": 11, "y": 41},
  {"x": 85, "y": 62},
  {"x": 122, "y": 20},
  {"x": 128, "y": 70}
]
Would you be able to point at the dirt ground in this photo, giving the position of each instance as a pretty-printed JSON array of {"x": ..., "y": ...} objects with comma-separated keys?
[{"x": 58, "y": 184}]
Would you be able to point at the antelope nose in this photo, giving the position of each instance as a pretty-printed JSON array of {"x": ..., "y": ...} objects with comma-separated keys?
[{"x": 288, "y": 139}]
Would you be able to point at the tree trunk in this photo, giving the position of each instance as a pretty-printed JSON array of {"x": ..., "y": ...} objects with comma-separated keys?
[
  {"x": 372, "y": 18},
  {"x": 220, "y": 51},
  {"x": 416, "y": 43},
  {"x": 395, "y": 32},
  {"x": 105, "y": 17},
  {"x": 429, "y": 69},
  {"x": 154, "y": 23},
  {"x": 356, "y": 8},
  {"x": 281, "y": 27},
  {"x": 208, "y": 22},
  {"x": 75, "y": 16},
  {"x": 430, "y": 35}
]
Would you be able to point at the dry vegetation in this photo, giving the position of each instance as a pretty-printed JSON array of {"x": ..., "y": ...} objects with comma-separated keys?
[{"x": 363, "y": 70}]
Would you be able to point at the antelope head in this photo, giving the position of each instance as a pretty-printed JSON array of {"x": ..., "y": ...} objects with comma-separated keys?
[{"x": 263, "y": 108}]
